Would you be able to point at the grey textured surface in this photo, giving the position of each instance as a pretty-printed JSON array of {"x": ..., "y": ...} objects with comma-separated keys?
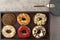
[
  {"x": 23, "y": 5},
  {"x": 28, "y": 5},
  {"x": 56, "y": 9},
  {"x": 54, "y": 28}
]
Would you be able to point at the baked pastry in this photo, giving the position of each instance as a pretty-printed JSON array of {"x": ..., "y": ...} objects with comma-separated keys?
[
  {"x": 8, "y": 31},
  {"x": 38, "y": 31},
  {"x": 23, "y": 19},
  {"x": 24, "y": 32},
  {"x": 8, "y": 19},
  {"x": 40, "y": 19}
]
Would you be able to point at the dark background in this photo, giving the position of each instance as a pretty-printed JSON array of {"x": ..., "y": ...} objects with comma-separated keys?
[{"x": 30, "y": 25}]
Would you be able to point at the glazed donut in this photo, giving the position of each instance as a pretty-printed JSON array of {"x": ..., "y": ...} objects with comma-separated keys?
[
  {"x": 8, "y": 19},
  {"x": 40, "y": 19},
  {"x": 23, "y": 19},
  {"x": 38, "y": 31},
  {"x": 24, "y": 32},
  {"x": 8, "y": 31}
]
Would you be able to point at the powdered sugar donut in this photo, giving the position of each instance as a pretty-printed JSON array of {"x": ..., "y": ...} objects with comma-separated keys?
[{"x": 8, "y": 31}]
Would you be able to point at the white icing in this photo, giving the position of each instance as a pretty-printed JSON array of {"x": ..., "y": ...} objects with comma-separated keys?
[{"x": 8, "y": 35}]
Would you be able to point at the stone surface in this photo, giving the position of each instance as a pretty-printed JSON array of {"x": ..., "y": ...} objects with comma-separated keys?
[{"x": 23, "y": 5}]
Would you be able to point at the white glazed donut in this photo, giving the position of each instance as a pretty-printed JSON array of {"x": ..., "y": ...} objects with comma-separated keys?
[
  {"x": 40, "y": 19},
  {"x": 38, "y": 31},
  {"x": 8, "y": 31}
]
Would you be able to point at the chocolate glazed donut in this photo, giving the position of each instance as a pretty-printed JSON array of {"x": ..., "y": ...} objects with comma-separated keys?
[
  {"x": 8, "y": 19},
  {"x": 24, "y": 32}
]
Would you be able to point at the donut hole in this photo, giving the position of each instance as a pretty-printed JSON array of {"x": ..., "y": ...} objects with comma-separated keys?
[
  {"x": 39, "y": 31},
  {"x": 8, "y": 31},
  {"x": 24, "y": 31},
  {"x": 23, "y": 19},
  {"x": 40, "y": 18},
  {"x": 34, "y": 30}
]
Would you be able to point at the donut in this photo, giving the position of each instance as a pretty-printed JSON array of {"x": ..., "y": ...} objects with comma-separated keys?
[
  {"x": 23, "y": 19},
  {"x": 38, "y": 31},
  {"x": 24, "y": 32},
  {"x": 8, "y": 31},
  {"x": 8, "y": 19},
  {"x": 40, "y": 19}
]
